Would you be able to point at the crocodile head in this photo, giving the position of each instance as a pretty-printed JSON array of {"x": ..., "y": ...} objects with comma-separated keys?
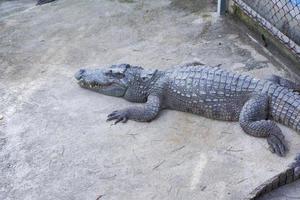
[
  {"x": 110, "y": 81},
  {"x": 123, "y": 80}
]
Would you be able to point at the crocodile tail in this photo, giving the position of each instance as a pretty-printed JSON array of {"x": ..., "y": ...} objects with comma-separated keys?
[{"x": 288, "y": 176}]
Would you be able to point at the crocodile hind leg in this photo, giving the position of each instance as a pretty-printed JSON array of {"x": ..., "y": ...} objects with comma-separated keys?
[
  {"x": 285, "y": 83},
  {"x": 254, "y": 121}
]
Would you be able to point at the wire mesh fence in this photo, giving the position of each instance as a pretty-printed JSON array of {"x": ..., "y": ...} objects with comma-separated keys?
[{"x": 280, "y": 17}]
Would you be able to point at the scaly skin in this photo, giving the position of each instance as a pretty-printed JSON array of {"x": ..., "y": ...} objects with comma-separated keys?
[{"x": 208, "y": 91}]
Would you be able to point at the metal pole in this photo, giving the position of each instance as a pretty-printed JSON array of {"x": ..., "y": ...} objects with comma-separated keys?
[{"x": 221, "y": 7}]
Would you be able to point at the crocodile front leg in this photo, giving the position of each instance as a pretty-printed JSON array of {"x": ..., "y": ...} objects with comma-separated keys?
[
  {"x": 254, "y": 121},
  {"x": 145, "y": 113}
]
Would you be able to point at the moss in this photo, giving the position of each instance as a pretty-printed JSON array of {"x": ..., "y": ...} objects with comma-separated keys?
[{"x": 206, "y": 15}]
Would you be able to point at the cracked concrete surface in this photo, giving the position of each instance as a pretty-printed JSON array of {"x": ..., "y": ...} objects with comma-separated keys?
[{"x": 54, "y": 141}]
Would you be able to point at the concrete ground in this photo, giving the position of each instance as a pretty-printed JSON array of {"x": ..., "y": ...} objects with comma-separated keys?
[{"x": 54, "y": 140}]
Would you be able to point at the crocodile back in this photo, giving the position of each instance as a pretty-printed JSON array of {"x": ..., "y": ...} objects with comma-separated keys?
[{"x": 209, "y": 91}]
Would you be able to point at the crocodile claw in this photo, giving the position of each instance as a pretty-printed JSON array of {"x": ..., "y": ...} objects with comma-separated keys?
[
  {"x": 277, "y": 144},
  {"x": 119, "y": 116}
]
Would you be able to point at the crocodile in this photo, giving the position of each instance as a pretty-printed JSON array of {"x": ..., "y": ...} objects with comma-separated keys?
[
  {"x": 291, "y": 174},
  {"x": 212, "y": 92},
  {"x": 208, "y": 91}
]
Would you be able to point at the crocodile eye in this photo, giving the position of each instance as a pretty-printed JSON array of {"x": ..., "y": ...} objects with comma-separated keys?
[
  {"x": 118, "y": 75},
  {"x": 114, "y": 74},
  {"x": 108, "y": 73},
  {"x": 126, "y": 66}
]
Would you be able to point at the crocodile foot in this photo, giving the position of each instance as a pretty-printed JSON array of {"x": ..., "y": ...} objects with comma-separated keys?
[
  {"x": 277, "y": 144},
  {"x": 119, "y": 116}
]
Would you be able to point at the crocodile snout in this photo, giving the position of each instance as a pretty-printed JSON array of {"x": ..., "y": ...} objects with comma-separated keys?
[{"x": 79, "y": 74}]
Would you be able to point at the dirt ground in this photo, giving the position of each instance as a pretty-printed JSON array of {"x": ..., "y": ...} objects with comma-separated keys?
[{"x": 55, "y": 142}]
